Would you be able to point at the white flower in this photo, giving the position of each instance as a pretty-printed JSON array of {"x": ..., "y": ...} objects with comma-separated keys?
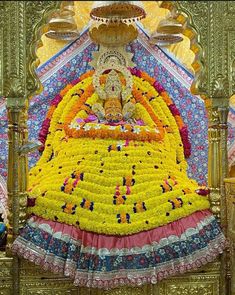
[
  {"x": 72, "y": 125},
  {"x": 97, "y": 126},
  {"x": 157, "y": 131},
  {"x": 136, "y": 130},
  {"x": 120, "y": 144},
  {"x": 177, "y": 248},
  {"x": 86, "y": 127},
  {"x": 122, "y": 128},
  {"x": 112, "y": 127},
  {"x": 73, "y": 247},
  {"x": 146, "y": 129},
  {"x": 78, "y": 127},
  {"x": 162, "y": 251}
]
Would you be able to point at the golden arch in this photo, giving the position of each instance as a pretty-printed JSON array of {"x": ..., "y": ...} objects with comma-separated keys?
[{"x": 32, "y": 63}]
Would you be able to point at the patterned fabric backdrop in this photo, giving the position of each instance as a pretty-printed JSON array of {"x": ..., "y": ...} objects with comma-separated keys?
[
  {"x": 231, "y": 135},
  {"x": 73, "y": 60}
]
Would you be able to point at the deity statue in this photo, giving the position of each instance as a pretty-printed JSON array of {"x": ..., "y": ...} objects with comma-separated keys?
[
  {"x": 110, "y": 201},
  {"x": 114, "y": 109}
]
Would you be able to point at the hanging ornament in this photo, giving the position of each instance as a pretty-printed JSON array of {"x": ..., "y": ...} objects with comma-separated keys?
[
  {"x": 113, "y": 34},
  {"x": 168, "y": 32},
  {"x": 68, "y": 6},
  {"x": 165, "y": 39},
  {"x": 117, "y": 11},
  {"x": 62, "y": 25},
  {"x": 170, "y": 26}
]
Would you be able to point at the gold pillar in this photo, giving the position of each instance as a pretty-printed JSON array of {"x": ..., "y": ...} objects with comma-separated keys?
[
  {"x": 13, "y": 188},
  {"x": 225, "y": 259},
  {"x": 230, "y": 200},
  {"x": 23, "y": 168},
  {"x": 217, "y": 171},
  {"x": 223, "y": 127},
  {"x": 214, "y": 173},
  {"x": 17, "y": 177},
  {"x": 13, "y": 173},
  {"x": 17, "y": 169}
]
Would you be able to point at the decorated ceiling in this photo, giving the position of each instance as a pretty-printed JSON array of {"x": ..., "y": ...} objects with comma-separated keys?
[{"x": 154, "y": 14}]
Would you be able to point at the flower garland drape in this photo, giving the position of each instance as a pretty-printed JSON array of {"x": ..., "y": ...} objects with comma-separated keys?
[{"x": 85, "y": 183}]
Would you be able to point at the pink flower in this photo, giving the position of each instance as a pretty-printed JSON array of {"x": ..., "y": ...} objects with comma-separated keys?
[
  {"x": 90, "y": 118},
  {"x": 186, "y": 142},
  {"x": 203, "y": 191},
  {"x": 158, "y": 87},
  {"x": 140, "y": 122},
  {"x": 56, "y": 100},
  {"x": 174, "y": 110},
  {"x": 79, "y": 120},
  {"x": 135, "y": 72},
  {"x": 76, "y": 81}
]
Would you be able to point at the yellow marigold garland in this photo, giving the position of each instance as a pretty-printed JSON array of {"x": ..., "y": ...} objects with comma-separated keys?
[{"x": 113, "y": 186}]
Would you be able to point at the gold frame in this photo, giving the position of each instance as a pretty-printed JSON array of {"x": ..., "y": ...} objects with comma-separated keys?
[{"x": 21, "y": 27}]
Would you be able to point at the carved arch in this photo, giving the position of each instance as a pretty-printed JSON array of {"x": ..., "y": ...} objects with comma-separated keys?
[
  {"x": 186, "y": 19},
  {"x": 38, "y": 21}
]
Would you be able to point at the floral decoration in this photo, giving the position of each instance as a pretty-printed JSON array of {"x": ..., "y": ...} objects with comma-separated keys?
[{"x": 81, "y": 178}]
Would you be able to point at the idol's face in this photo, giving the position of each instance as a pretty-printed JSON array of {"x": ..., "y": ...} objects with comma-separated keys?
[
  {"x": 113, "y": 115},
  {"x": 113, "y": 111}
]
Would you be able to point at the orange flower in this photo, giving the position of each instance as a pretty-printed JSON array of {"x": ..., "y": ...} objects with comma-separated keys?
[
  {"x": 146, "y": 77},
  {"x": 187, "y": 191},
  {"x": 87, "y": 74},
  {"x": 68, "y": 188},
  {"x": 115, "y": 134},
  {"x": 179, "y": 121},
  {"x": 50, "y": 111},
  {"x": 140, "y": 98},
  {"x": 123, "y": 217},
  {"x": 80, "y": 102},
  {"x": 123, "y": 80},
  {"x": 120, "y": 200},
  {"x": 166, "y": 98},
  {"x": 177, "y": 203},
  {"x": 87, "y": 204},
  {"x": 166, "y": 187},
  {"x": 66, "y": 89},
  {"x": 139, "y": 207},
  {"x": 69, "y": 208},
  {"x": 86, "y": 108}
]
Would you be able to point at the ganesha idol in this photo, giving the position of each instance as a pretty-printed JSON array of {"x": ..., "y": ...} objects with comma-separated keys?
[{"x": 109, "y": 201}]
